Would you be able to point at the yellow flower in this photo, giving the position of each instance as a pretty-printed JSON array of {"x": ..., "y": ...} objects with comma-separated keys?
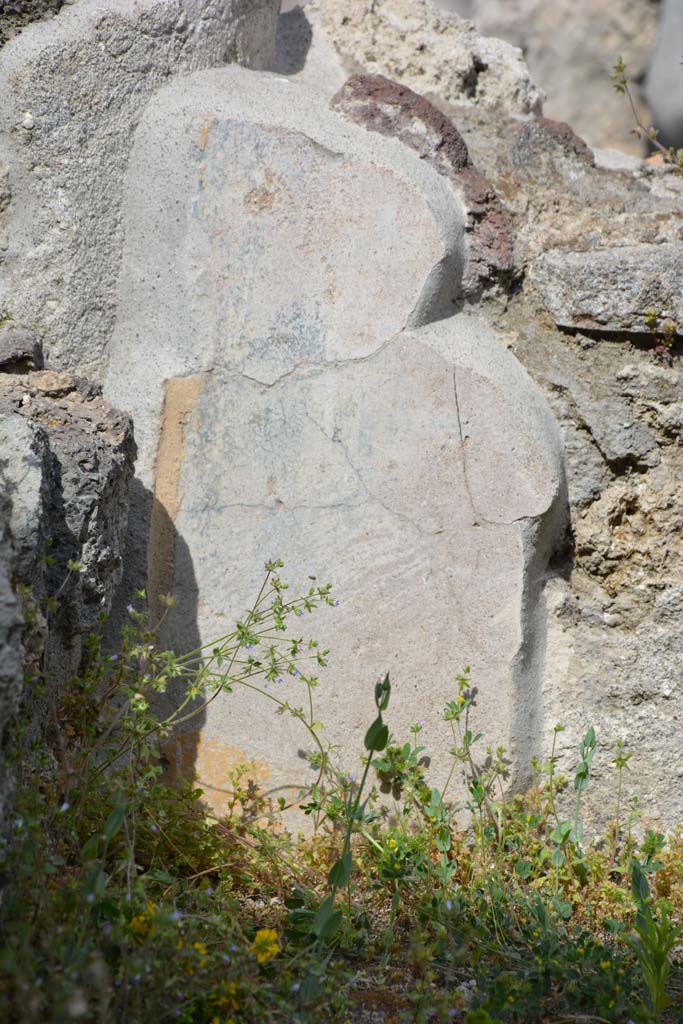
[
  {"x": 265, "y": 945},
  {"x": 224, "y": 998},
  {"x": 142, "y": 925},
  {"x": 392, "y": 844},
  {"x": 605, "y": 964}
]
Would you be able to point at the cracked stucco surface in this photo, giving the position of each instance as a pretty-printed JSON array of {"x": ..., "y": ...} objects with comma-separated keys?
[{"x": 294, "y": 276}]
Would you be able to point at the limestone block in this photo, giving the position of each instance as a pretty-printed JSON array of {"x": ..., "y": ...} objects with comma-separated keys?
[
  {"x": 611, "y": 289},
  {"x": 286, "y": 268},
  {"x": 570, "y": 47},
  {"x": 414, "y": 43},
  {"x": 72, "y": 90},
  {"x": 339, "y": 240}
]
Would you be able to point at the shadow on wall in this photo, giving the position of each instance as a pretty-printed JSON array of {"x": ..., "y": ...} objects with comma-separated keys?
[
  {"x": 158, "y": 560},
  {"x": 293, "y": 41}
]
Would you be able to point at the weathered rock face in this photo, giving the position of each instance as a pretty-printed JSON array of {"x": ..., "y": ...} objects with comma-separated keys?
[
  {"x": 618, "y": 410},
  {"x": 597, "y": 249},
  {"x": 414, "y": 43},
  {"x": 320, "y": 414},
  {"x": 285, "y": 337},
  {"x": 570, "y": 47},
  {"x": 612, "y": 289},
  {"x": 72, "y": 92},
  {"x": 11, "y": 623},
  {"x": 67, "y": 467},
  {"x": 19, "y": 350},
  {"x": 16, "y": 14},
  {"x": 381, "y": 105},
  {"x": 615, "y": 644}
]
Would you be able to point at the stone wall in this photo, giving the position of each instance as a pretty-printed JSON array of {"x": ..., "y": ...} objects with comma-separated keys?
[
  {"x": 17, "y": 14},
  {"x": 570, "y": 47},
  {"x": 73, "y": 89},
  {"x": 66, "y": 461},
  {"x": 340, "y": 319}
]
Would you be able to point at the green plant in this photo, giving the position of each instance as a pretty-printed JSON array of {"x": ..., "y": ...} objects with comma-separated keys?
[
  {"x": 655, "y": 937},
  {"x": 130, "y": 901},
  {"x": 621, "y": 83},
  {"x": 663, "y": 332}
]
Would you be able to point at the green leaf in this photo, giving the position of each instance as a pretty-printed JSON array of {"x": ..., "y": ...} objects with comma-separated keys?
[
  {"x": 523, "y": 868},
  {"x": 331, "y": 925},
  {"x": 589, "y": 745},
  {"x": 327, "y": 919},
  {"x": 443, "y": 839},
  {"x": 382, "y": 693},
  {"x": 576, "y": 834},
  {"x": 323, "y": 915},
  {"x": 639, "y": 886},
  {"x": 557, "y": 857},
  {"x": 311, "y": 988},
  {"x": 377, "y": 736},
  {"x": 114, "y": 822},
  {"x": 340, "y": 872},
  {"x": 561, "y": 832},
  {"x": 90, "y": 847},
  {"x": 158, "y": 875}
]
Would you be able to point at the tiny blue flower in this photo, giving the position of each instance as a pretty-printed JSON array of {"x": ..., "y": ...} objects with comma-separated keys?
[
  {"x": 448, "y": 904},
  {"x": 296, "y": 986},
  {"x": 335, "y": 604}
]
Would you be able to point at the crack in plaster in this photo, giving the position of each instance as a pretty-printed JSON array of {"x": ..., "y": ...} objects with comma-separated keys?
[
  {"x": 372, "y": 498},
  {"x": 478, "y": 518},
  {"x": 308, "y": 370}
]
